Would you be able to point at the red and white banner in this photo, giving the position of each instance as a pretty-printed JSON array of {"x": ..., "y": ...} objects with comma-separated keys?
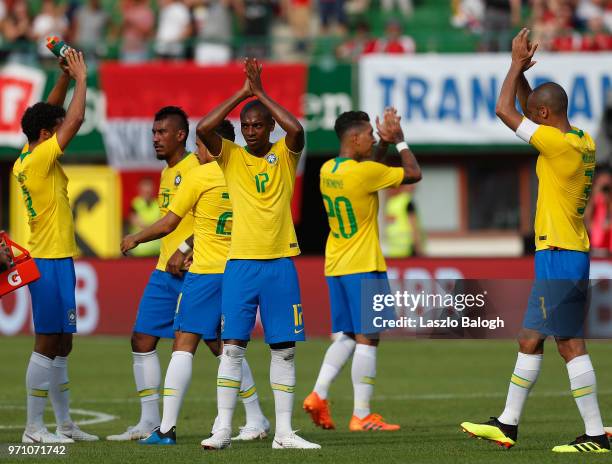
[{"x": 108, "y": 291}]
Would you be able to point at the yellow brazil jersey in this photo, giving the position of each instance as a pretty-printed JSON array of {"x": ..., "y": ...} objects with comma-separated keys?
[
  {"x": 349, "y": 190},
  {"x": 44, "y": 186},
  {"x": 261, "y": 191},
  {"x": 171, "y": 179},
  {"x": 565, "y": 169},
  {"x": 204, "y": 194}
]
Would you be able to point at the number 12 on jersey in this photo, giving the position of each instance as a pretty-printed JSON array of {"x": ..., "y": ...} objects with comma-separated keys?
[{"x": 341, "y": 209}]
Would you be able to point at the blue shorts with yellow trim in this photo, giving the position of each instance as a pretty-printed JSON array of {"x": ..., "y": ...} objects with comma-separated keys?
[
  {"x": 558, "y": 302},
  {"x": 199, "y": 305},
  {"x": 271, "y": 284},
  {"x": 158, "y": 304},
  {"x": 53, "y": 300},
  {"x": 349, "y": 312}
]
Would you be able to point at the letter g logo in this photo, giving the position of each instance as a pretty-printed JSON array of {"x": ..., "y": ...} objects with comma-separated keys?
[{"x": 14, "y": 279}]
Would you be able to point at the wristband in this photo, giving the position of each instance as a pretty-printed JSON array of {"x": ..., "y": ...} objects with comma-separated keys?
[
  {"x": 401, "y": 146},
  {"x": 184, "y": 248}
]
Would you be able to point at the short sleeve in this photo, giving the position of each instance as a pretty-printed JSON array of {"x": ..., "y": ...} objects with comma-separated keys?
[
  {"x": 45, "y": 155},
  {"x": 377, "y": 176},
  {"x": 186, "y": 197},
  {"x": 545, "y": 139},
  {"x": 296, "y": 154},
  {"x": 227, "y": 147}
]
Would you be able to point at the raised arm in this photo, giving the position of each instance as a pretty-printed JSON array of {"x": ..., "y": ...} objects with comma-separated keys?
[
  {"x": 288, "y": 122},
  {"x": 206, "y": 127},
  {"x": 76, "y": 111},
  {"x": 58, "y": 93},
  {"x": 392, "y": 132},
  {"x": 522, "y": 53},
  {"x": 523, "y": 90},
  {"x": 159, "y": 229}
]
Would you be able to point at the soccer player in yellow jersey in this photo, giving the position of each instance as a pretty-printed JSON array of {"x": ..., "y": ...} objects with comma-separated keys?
[
  {"x": 156, "y": 310},
  {"x": 260, "y": 179},
  {"x": 198, "y": 312},
  {"x": 353, "y": 258},
  {"x": 49, "y": 129},
  {"x": 558, "y": 299}
]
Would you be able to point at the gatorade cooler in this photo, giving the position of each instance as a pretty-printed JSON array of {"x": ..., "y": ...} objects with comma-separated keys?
[{"x": 17, "y": 271}]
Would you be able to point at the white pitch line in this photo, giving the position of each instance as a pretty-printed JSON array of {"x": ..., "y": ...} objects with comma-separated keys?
[{"x": 95, "y": 417}]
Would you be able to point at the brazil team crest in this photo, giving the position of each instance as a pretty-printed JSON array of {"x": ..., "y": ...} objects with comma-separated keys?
[
  {"x": 177, "y": 180},
  {"x": 271, "y": 158}
]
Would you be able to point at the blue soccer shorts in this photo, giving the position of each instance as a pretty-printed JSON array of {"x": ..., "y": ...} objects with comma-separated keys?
[
  {"x": 53, "y": 301},
  {"x": 158, "y": 304},
  {"x": 350, "y": 298},
  {"x": 271, "y": 284},
  {"x": 559, "y": 297},
  {"x": 199, "y": 305}
]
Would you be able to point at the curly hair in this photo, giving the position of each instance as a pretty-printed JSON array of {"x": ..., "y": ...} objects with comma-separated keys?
[{"x": 40, "y": 116}]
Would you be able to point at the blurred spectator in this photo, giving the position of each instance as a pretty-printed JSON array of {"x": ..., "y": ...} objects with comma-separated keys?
[
  {"x": 405, "y": 6},
  {"x": 403, "y": 232},
  {"x": 499, "y": 18},
  {"x": 50, "y": 21},
  {"x": 332, "y": 16},
  {"x": 608, "y": 16},
  {"x": 596, "y": 38},
  {"x": 361, "y": 43},
  {"x": 598, "y": 214},
  {"x": 589, "y": 9},
  {"x": 393, "y": 41},
  {"x": 298, "y": 14},
  {"x": 90, "y": 24},
  {"x": 173, "y": 28},
  {"x": 212, "y": 20},
  {"x": 136, "y": 29},
  {"x": 16, "y": 29},
  {"x": 469, "y": 14},
  {"x": 256, "y": 20},
  {"x": 145, "y": 212}
]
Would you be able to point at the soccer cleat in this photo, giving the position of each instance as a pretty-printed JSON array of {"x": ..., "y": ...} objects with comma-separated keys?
[
  {"x": 371, "y": 423},
  {"x": 253, "y": 432},
  {"x": 158, "y": 438},
  {"x": 503, "y": 434},
  {"x": 586, "y": 444},
  {"x": 135, "y": 432},
  {"x": 42, "y": 435},
  {"x": 318, "y": 409},
  {"x": 608, "y": 431},
  {"x": 219, "y": 440},
  {"x": 293, "y": 441},
  {"x": 71, "y": 430}
]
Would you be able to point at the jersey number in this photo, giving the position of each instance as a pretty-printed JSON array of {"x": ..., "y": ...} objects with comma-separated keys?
[
  {"x": 221, "y": 223},
  {"x": 345, "y": 216},
  {"x": 261, "y": 180}
]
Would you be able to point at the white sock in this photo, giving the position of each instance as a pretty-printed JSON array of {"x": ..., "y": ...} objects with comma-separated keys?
[
  {"x": 147, "y": 374},
  {"x": 584, "y": 389},
  {"x": 228, "y": 384},
  {"x": 248, "y": 395},
  {"x": 37, "y": 386},
  {"x": 526, "y": 371},
  {"x": 363, "y": 373},
  {"x": 59, "y": 390},
  {"x": 335, "y": 358},
  {"x": 178, "y": 377},
  {"x": 282, "y": 380}
]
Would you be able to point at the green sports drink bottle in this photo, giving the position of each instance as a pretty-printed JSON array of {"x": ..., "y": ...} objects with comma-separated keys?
[{"x": 57, "y": 46}]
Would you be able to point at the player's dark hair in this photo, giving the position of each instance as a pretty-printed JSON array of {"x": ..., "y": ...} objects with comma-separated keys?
[
  {"x": 226, "y": 130},
  {"x": 349, "y": 120},
  {"x": 552, "y": 95},
  {"x": 40, "y": 116},
  {"x": 256, "y": 105},
  {"x": 174, "y": 112}
]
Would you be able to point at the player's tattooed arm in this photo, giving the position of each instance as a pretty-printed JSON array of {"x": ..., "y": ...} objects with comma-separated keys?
[
  {"x": 58, "y": 93},
  {"x": 522, "y": 54},
  {"x": 207, "y": 125},
  {"x": 159, "y": 229},
  {"x": 295, "y": 138},
  {"x": 76, "y": 111}
]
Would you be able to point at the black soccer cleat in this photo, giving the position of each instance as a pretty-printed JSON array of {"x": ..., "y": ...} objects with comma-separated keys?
[{"x": 586, "y": 444}]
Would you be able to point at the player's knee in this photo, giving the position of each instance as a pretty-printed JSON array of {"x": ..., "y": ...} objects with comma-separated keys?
[
  {"x": 65, "y": 348},
  {"x": 283, "y": 354},
  {"x": 234, "y": 352},
  {"x": 570, "y": 349},
  {"x": 142, "y": 343}
]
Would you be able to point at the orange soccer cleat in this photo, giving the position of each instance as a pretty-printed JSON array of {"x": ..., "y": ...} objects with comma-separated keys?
[
  {"x": 319, "y": 411},
  {"x": 372, "y": 422}
]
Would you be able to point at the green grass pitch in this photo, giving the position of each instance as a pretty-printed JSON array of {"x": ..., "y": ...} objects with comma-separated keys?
[{"x": 427, "y": 386}]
